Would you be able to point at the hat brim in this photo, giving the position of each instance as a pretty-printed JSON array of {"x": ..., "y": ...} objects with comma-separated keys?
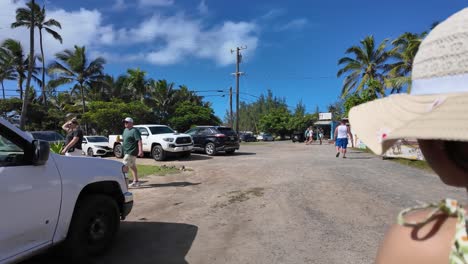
[{"x": 380, "y": 123}]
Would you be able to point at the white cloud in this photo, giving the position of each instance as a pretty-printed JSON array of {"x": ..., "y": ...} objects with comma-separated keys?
[
  {"x": 161, "y": 40},
  {"x": 156, "y": 2},
  {"x": 119, "y": 5},
  {"x": 202, "y": 8},
  {"x": 180, "y": 37},
  {"x": 81, "y": 27},
  {"x": 295, "y": 24}
]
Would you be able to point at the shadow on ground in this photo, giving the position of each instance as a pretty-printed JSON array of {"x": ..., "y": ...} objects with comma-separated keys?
[
  {"x": 141, "y": 243},
  {"x": 170, "y": 184}
]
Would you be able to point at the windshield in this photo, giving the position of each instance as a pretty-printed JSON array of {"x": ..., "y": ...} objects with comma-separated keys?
[
  {"x": 47, "y": 136},
  {"x": 8, "y": 146},
  {"x": 97, "y": 139},
  {"x": 160, "y": 130}
]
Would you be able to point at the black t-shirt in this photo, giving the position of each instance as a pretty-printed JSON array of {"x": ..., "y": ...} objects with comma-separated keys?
[{"x": 75, "y": 133}]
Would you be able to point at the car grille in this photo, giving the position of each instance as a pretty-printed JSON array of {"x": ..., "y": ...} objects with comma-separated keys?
[{"x": 183, "y": 140}]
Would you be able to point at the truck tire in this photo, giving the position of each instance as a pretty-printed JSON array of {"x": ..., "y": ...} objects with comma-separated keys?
[
  {"x": 158, "y": 153},
  {"x": 118, "y": 152},
  {"x": 95, "y": 223},
  {"x": 210, "y": 149}
]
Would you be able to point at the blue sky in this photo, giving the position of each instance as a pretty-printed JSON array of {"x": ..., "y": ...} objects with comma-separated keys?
[{"x": 292, "y": 46}]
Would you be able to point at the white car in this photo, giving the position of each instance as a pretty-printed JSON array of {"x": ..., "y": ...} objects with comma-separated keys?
[
  {"x": 265, "y": 137},
  {"x": 49, "y": 199},
  {"x": 96, "y": 146},
  {"x": 158, "y": 140}
]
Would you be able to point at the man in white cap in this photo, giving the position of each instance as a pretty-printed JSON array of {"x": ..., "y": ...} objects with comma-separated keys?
[{"x": 131, "y": 147}]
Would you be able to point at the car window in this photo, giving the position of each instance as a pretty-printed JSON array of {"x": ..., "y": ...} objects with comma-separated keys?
[
  {"x": 191, "y": 131},
  {"x": 10, "y": 153},
  {"x": 160, "y": 130},
  {"x": 226, "y": 131},
  {"x": 98, "y": 139},
  {"x": 143, "y": 130},
  {"x": 205, "y": 131},
  {"x": 47, "y": 136}
]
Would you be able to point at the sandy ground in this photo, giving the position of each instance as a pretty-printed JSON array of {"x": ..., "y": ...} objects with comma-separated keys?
[{"x": 276, "y": 202}]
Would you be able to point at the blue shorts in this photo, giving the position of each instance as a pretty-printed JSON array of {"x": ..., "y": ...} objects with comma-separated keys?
[{"x": 341, "y": 143}]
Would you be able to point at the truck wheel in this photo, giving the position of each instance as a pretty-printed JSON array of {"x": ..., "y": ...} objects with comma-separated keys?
[
  {"x": 118, "y": 153},
  {"x": 210, "y": 149},
  {"x": 90, "y": 152},
  {"x": 95, "y": 223},
  {"x": 158, "y": 153}
]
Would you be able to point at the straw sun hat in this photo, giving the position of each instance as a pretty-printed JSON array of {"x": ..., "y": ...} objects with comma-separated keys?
[{"x": 437, "y": 107}]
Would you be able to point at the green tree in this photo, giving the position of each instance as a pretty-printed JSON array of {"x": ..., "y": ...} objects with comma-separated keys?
[
  {"x": 162, "y": 97},
  {"x": 356, "y": 99},
  {"x": 276, "y": 122},
  {"x": 188, "y": 114},
  {"x": 367, "y": 62},
  {"x": 106, "y": 117},
  {"x": 405, "y": 48},
  {"x": 73, "y": 67},
  {"x": 136, "y": 82},
  {"x": 13, "y": 52},
  {"x": 23, "y": 19},
  {"x": 7, "y": 70}
]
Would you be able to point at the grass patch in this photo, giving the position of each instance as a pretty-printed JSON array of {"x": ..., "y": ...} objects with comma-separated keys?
[
  {"x": 419, "y": 164},
  {"x": 145, "y": 170}
]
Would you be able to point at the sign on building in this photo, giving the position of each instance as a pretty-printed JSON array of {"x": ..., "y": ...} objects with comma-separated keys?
[{"x": 325, "y": 116}]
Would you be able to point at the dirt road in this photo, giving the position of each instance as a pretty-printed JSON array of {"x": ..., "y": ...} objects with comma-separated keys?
[{"x": 271, "y": 203}]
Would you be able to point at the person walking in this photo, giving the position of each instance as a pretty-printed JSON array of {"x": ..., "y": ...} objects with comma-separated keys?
[
  {"x": 74, "y": 138},
  {"x": 310, "y": 136},
  {"x": 341, "y": 138},
  {"x": 320, "y": 135},
  {"x": 131, "y": 147}
]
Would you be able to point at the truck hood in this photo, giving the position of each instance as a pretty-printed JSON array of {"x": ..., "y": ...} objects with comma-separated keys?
[{"x": 86, "y": 170}]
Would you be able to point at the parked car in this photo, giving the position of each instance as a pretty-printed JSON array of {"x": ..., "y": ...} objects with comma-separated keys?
[
  {"x": 50, "y": 199},
  {"x": 212, "y": 139},
  {"x": 159, "y": 140},
  {"x": 265, "y": 137},
  {"x": 247, "y": 138},
  {"x": 96, "y": 146},
  {"x": 49, "y": 136}
]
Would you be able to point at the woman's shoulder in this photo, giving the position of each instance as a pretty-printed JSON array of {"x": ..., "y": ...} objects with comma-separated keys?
[{"x": 428, "y": 243}]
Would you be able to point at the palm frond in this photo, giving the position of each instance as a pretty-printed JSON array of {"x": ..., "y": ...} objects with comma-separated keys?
[{"x": 54, "y": 34}]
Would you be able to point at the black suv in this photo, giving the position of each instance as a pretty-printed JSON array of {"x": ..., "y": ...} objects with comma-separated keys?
[{"x": 212, "y": 139}]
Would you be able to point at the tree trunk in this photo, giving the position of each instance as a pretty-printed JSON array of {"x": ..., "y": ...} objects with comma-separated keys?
[
  {"x": 24, "y": 109},
  {"x": 43, "y": 68},
  {"x": 20, "y": 86},
  {"x": 3, "y": 90},
  {"x": 84, "y": 107}
]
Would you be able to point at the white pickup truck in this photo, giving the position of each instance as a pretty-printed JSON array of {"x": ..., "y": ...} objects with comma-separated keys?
[
  {"x": 48, "y": 199},
  {"x": 158, "y": 140}
]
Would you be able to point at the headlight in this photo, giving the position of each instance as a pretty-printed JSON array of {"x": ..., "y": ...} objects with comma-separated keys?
[{"x": 168, "y": 139}]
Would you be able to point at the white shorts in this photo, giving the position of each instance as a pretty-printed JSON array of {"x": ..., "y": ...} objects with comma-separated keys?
[
  {"x": 75, "y": 153},
  {"x": 129, "y": 160}
]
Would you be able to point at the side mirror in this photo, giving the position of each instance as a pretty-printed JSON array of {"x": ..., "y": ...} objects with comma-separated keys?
[
  {"x": 145, "y": 133},
  {"x": 41, "y": 150},
  {"x": 176, "y": 132}
]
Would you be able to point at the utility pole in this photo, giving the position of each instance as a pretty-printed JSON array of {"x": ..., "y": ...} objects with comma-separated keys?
[
  {"x": 238, "y": 73},
  {"x": 231, "y": 121}
]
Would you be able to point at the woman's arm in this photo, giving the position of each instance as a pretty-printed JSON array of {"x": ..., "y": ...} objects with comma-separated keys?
[{"x": 428, "y": 244}]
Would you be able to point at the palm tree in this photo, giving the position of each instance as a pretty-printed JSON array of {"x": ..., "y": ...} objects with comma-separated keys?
[
  {"x": 405, "y": 48},
  {"x": 366, "y": 65},
  {"x": 7, "y": 70},
  {"x": 162, "y": 96},
  {"x": 73, "y": 67},
  {"x": 136, "y": 82},
  {"x": 23, "y": 19},
  {"x": 13, "y": 50}
]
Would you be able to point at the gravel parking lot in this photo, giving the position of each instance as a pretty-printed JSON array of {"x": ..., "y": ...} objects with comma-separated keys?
[{"x": 275, "y": 202}]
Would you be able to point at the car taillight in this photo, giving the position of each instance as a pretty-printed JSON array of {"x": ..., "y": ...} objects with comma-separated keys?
[{"x": 220, "y": 135}]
